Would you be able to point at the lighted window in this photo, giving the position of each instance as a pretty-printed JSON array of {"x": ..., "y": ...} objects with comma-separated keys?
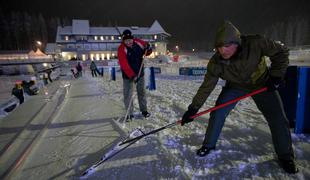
[
  {"x": 113, "y": 54},
  {"x": 97, "y": 57},
  {"x": 102, "y": 56},
  {"x": 92, "y": 56},
  {"x": 108, "y": 56},
  {"x": 119, "y": 37},
  {"x": 69, "y": 57},
  {"x": 96, "y": 37},
  {"x": 83, "y": 57},
  {"x": 155, "y": 36},
  {"x": 156, "y": 53},
  {"x": 67, "y": 38},
  {"x": 101, "y": 38},
  {"x": 155, "y": 44}
]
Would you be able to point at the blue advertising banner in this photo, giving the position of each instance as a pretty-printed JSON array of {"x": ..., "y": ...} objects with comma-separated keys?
[{"x": 193, "y": 71}]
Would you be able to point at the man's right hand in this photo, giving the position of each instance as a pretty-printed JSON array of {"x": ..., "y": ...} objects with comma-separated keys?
[
  {"x": 135, "y": 79},
  {"x": 187, "y": 116}
]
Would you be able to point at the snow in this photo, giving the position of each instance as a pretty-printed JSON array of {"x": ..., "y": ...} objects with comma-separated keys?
[{"x": 89, "y": 123}]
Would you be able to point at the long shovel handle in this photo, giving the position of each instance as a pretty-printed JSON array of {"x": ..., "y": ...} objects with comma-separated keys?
[
  {"x": 227, "y": 103},
  {"x": 198, "y": 114}
]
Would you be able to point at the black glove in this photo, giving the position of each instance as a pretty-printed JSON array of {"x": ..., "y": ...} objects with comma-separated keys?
[
  {"x": 274, "y": 83},
  {"x": 136, "y": 79},
  {"x": 186, "y": 117}
]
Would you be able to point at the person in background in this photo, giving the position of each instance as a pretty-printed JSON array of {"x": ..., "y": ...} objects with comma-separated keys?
[
  {"x": 240, "y": 60},
  {"x": 79, "y": 69},
  {"x": 130, "y": 56},
  {"x": 93, "y": 68},
  {"x": 18, "y": 92}
]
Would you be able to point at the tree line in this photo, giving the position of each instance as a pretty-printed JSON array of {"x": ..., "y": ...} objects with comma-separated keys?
[
  {"x": 293, "y": 32},
  {"x": 21, "y": 30}
]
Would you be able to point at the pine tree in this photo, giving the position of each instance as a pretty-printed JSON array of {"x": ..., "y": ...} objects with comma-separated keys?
[
  {"x": 43, "y": 31},
  {"x": 15, "y": 28},
  {"x": 27, "y": 30},
  {"x": 5, "y": 35}
]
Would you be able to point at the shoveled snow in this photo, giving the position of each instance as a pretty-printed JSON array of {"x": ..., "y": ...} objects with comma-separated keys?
[{"x": 244, "y": 149}]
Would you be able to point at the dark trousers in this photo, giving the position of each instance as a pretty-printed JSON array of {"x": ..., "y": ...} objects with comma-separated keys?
[
  {"x": 270, "y": 104},
  {"x": 93, "y": 73},
  {"x": 128, "y": 93}
]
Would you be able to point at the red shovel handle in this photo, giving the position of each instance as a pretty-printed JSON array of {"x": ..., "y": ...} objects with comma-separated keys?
[{"x": 227, "y": 103}]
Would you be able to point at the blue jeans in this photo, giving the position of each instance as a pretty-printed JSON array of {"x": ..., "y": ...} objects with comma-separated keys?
[{"x": 270, "y": 104}]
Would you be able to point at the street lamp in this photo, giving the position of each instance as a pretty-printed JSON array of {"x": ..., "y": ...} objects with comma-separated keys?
[{"x": 39, "y": 43}]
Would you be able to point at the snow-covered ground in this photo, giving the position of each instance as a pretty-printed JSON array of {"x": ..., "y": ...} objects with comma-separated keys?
[{"x": 89, "y": 122}]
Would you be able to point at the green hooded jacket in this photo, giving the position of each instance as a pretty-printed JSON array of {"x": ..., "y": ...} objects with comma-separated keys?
[{"x": 247, "y": 69}]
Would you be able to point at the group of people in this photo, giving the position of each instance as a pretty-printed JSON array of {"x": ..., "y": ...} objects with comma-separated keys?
[
  {"x": 240, "y": 60},
  {"x": 94, "y": 69},
  {"x": 77, "y": 71}
]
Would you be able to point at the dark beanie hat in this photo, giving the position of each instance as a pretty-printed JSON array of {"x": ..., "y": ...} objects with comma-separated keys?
[{"x": 127, "y": 34}]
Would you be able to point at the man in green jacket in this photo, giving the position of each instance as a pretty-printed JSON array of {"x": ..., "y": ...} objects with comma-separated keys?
[{"x": 240, "y": 60}]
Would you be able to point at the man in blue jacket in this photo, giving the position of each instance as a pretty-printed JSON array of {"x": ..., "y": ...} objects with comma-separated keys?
[{"x": 130, "y": 57}]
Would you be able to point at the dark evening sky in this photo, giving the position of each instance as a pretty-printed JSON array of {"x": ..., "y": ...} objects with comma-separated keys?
[{"x": 186, "y": 20}]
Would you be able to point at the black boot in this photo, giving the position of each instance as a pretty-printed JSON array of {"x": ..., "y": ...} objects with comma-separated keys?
[
  {"x": 129, "y": 117},
  {"x": 146, "y": 114},
  {"x": 203, "y": 151},
  {"x": 289, "y": 166}
]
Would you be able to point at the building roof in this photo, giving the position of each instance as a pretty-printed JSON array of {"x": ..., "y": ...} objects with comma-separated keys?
[
  {"x": 156, "y": 28},
  {"x": 81, "y": 27},
  {"x": 103, "y": 31}
]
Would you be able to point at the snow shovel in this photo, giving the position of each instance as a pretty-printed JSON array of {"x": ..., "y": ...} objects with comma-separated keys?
[{"x": 196, "y": 115}]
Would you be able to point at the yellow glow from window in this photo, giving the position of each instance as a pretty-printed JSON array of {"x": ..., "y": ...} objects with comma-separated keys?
[
  {"x": 83, "y": 57},
  {"x": 67, "y": 38},
  {"x": 119, "y": 37},
  {"x": 92, "y": 56},
  {"x": 101, "y": 37},
  {"x": 96, "y": 37},
  {"x": 108, "y": 56},
  {"x": 155, "y": 36},
  {"x": 112, "y": 38},
  {"x": 102, "y": 56},
  {"x": 156, "y": 53},
  {"x": 113, "y": 54},
  {"x": 97, "y": 57},
  {"x": 155, "y": 44}
]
